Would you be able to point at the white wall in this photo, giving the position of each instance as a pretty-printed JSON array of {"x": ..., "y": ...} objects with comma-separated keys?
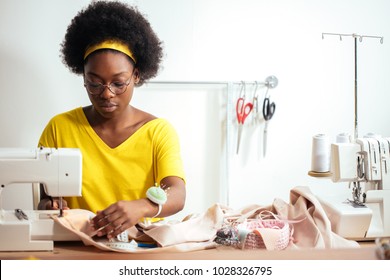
[{"x": 219, "y": 40}]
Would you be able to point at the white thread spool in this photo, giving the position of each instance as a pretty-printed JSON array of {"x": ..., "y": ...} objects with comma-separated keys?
[
  {"x": 320, "y": 160},
  {"x": 343, "y": 138},
  {"x": 372, "y": 135}
]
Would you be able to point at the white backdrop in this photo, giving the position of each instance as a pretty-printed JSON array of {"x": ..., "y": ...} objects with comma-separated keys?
[{"x": 219, "y": 40}]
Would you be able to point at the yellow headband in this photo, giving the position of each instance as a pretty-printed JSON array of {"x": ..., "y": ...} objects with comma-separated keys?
[{"x": 112, "y": 45}]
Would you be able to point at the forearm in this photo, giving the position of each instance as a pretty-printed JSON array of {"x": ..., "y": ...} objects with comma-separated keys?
[{"x": 176, "y": 195}]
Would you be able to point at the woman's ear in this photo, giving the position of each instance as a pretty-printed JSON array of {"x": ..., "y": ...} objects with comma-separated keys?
[{"x": 137, "y": 76}]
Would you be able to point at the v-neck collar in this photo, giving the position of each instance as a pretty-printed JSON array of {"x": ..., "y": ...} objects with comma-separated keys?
[{"x": 92, "y": 133}]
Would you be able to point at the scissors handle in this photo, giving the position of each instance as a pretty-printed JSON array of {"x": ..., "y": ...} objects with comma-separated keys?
[
  {"x": 268, "y": 109},
  {"x": 243, "y": 110}
]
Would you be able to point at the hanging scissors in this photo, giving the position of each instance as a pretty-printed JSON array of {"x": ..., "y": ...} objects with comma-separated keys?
[
  {"x": 242, "y": 110},
  {"x": 268, "y": 113}
]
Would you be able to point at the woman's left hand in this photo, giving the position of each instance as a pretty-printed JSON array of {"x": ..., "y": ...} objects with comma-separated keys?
[
  {"x": 123, "y": 214},
  {"x": 118, "y": 217}
]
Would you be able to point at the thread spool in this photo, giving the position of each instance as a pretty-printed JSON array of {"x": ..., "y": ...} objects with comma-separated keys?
[
  {"x": 343, "y": 138},
  {"x": 372, "y": 135},
  {"x": 320, "y": 161}
]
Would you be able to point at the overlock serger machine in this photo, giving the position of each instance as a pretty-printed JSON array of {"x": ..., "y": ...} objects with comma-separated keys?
[
  {"x": 60, "y": 172},
  {"x": 365, "y": 164}
]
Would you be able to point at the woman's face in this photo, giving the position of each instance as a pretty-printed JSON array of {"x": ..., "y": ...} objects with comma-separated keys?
[{"x": 109, "y": 78}]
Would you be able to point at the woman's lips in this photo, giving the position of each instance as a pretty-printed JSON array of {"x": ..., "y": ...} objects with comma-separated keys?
[{"x": 108, "y": 107}]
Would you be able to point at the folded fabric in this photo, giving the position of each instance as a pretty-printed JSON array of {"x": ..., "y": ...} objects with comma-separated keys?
[
  {"x": 195, "y": 233},
  {"x": 315, "y": 230},
  {"x": 198, "y": 231}
]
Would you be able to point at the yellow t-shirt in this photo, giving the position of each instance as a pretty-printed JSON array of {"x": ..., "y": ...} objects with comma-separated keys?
[{"x": 121, "y": 173}]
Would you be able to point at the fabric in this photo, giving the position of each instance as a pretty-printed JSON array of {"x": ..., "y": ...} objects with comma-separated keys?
[
  {"x": 311, "y": 227},
  {"x": 315, "y": 230},
  {"x": 121, "y": 173}
]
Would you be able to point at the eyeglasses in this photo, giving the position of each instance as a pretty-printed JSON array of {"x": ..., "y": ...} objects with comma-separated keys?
[{"x": 116, "y": 88}]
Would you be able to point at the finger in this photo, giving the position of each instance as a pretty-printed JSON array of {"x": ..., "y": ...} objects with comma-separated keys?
[
  {"x": 109, "y": 229},
  {"x": 112, "y": 226},
  {"x": 101, "y": 223},
  {"x": 103, "y": 214},
  {"x": 108, "y": 220},
  {"x": 64, "y": 204},
  {"x": 105, "y": 217},
  {"x": 54, "y": 205},
  {"x": 118, "y": 230},
  {"x": 106, "y": 225},
  {"x": 100, "y": 215}
]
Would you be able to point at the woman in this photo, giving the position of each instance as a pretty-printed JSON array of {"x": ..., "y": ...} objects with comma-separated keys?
[{"x": 125, "y": 150}]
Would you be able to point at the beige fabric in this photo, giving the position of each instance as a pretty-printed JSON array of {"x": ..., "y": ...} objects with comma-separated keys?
[
  {"x": 196, "y": 233},
  {"x": 314, "y": 231},
  {"x": 311, "y": 227}
]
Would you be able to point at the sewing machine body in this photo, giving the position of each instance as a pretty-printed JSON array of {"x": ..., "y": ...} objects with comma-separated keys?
[
  {"x": 366, "y": 165},
  {"x": 60, "y": 172},
  {"x": 35, "y": 234}
]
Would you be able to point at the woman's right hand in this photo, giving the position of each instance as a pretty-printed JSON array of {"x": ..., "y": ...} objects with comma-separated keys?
[
  {"x": 53, "y": 204},
  {"x": 56, "y": 204}
]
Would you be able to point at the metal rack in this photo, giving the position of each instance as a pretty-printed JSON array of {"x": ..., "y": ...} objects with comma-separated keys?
[
  {"x": 270, "y": 82},
  {"x": 355, "y": 37}
]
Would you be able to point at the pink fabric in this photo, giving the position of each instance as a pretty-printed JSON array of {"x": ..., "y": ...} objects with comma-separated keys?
[{"x": 197, "y": 232}]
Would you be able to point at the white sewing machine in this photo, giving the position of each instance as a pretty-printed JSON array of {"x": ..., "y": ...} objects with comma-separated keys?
[
  {"x": 365, "y": 163},
  {"x": 59, "y": 170}
]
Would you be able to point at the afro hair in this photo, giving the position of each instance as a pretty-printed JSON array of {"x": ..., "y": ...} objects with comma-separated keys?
[{"x": 102, "y": 21}]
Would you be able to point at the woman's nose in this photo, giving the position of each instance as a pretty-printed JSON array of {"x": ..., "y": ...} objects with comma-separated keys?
[{"x": 107, "y": 93}]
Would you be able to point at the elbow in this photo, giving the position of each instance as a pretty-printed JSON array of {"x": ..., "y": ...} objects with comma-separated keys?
[
  {"x": 182, "y": 202},
  {"x": 180, "y": 207}
]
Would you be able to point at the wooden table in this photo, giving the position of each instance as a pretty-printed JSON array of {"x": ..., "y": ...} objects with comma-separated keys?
[{"x": 78, "y": 251}]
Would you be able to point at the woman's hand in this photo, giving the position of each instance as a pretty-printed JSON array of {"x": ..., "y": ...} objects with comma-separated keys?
[
  {"x": 52, "y": 204},
  {"x": 56, "y": 204},
  {"x": 122, "y": 215},
  {"x": 118, "y": 217}
]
